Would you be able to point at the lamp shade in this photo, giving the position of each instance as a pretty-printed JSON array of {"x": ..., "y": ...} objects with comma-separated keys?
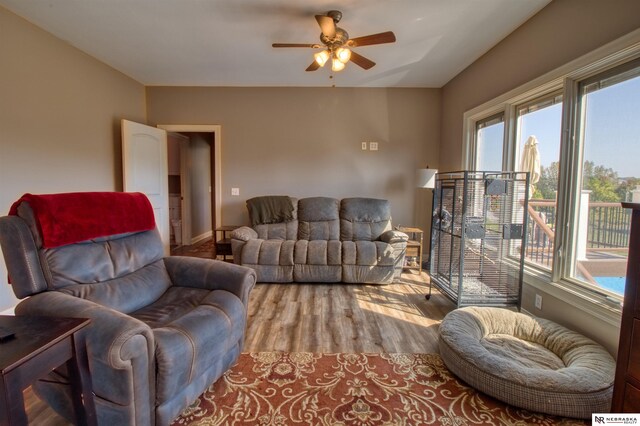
[
  {"x": 426, "y": 178},
  {"x": 322, "y": 57},
  {"x": 343, "y": 54},
  {"x": 336, "y": 65}
]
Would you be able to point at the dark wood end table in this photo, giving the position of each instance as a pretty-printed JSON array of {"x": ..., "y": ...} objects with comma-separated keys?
[
  {"x": 223, "y": 245},
  {"x": 41, "y": 344}
]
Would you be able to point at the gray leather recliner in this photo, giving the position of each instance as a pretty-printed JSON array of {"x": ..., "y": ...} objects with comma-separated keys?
[{"x": 163, "y": 328}]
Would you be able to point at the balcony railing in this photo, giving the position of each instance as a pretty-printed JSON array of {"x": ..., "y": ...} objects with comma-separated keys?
[
  {"x": 608, "y": 225},
  {"x": 542, "y": 219},
  {"x": 607, "y": 230}
]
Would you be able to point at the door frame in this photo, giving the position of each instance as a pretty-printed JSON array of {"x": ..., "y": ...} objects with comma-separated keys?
[{"x": 216, "y": 150}]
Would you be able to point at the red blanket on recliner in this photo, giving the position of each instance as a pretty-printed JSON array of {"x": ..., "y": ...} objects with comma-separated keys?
[{"x": 78, "y": 216}]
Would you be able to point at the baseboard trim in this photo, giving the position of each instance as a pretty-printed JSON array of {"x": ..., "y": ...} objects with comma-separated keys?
[{"x": 201, "y": 237}]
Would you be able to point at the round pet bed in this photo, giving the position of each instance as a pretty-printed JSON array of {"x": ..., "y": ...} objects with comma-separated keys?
[{"x": 528, "y": 362}]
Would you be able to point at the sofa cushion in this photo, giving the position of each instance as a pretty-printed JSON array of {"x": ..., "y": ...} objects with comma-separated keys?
[
  {"x": 364, "y": 219},
  {"x": 359, "y": 274},
  {"x": 368, "y": 253},
  {"x": 318, "y": 252},
  {"x": 369, "y": 262},
  {"x": 277, "y": 231},
  {"x": 287, "y": 230},
  {"x": 128, "y": 293},
  {"x": 318, "y": 219},
  {"x": 109, "y": 259},
  {"x": 267, "y": 252},
  {"x": 185, "y": 344},
  {"x": 271, "y": 209},
  {"x": 318, "y": 261}
]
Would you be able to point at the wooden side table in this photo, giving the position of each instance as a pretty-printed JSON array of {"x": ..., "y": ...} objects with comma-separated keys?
[
  {"x": 414, "y": 246},
  {"x": 223, "y": 245},
  {"x": 41, "y": 344}
]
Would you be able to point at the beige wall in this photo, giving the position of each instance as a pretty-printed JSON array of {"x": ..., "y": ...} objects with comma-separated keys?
[
  {"x": 559, "y": 33},
  {"x": 59, "y": 118},
  {"x": 307, "y": 141}
]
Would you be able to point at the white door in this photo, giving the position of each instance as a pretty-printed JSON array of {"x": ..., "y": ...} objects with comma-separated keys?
[{"x": 145, "y": 169}]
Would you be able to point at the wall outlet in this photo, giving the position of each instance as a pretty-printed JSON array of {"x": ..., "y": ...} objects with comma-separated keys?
[
  {"x": 364, "y": 146},
  {"x": 373, "y": 146},
  {"x": 538, "y": 302},
  {"x": 235, "y": 191}
]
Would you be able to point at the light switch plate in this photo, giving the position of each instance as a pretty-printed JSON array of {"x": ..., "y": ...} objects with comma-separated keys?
[
  {"x": 235, "y": 191},
  {"x": 373, "y": 146},
  {"x": 364, "y": 146}
]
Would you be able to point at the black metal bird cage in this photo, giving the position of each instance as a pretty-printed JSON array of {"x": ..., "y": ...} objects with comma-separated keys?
[{"x": 478, "y": 236}]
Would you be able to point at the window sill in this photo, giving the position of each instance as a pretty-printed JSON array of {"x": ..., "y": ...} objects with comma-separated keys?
[{"x": 599, "y": 306}]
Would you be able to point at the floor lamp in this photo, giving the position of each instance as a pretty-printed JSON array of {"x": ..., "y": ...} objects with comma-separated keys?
[{"x": 426, "y": 178}]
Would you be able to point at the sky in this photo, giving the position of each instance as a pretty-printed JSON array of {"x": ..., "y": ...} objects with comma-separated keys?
[{"x": 612, "y": 133}]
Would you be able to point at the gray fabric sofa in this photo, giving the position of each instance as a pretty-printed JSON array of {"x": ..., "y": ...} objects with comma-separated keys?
[
  {"x": 326, "y": 241},
  {"x": 162, "y": 328}
]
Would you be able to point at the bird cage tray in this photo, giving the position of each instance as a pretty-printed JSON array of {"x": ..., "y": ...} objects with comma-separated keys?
[{"x": 476, "y": 292}]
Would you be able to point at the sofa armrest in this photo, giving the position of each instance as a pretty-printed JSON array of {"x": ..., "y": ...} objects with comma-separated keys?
[
  {"x": 244, "y": 233},
  {"x": 120, "y": 348},
  {"x": 393, "y": 236},
  {"x": 212, "y": 275}
]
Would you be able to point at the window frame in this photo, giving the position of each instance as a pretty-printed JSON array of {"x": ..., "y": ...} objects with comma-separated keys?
[
  {"x": 575, "y": 155},
  {"x": 474, "y": 149},
  {"x": 514, "y": 142},
  {"x": 565, "y": 79}
]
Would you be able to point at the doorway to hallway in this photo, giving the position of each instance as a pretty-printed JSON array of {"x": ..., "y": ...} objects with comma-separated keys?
[{"x": 194, "y": 182}]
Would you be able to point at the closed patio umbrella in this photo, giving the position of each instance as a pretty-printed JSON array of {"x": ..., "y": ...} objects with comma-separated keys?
[{"x": 530, "y": 162}]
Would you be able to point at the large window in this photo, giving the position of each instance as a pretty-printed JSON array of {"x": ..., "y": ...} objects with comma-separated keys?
[
  {"x": 538, "y": 130},
  {"x": 609, "y": 126},
  {"x": 585, "y": 128},
  {"x": 489, "y": 140}
]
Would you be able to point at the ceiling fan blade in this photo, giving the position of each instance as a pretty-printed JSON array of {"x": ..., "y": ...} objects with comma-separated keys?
[
  {"x": 361, "y": 61},
  {"x": 313, "y": 46},
  {"x": 327, "y": 25},
  {"x": 380, "y": 38},
  {"x": 314, "y": 66}
]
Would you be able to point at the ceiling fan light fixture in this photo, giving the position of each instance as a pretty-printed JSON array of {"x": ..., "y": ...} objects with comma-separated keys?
[
  {"x": 343, "y": 54},
  {"x": 322, "y": 57},
  {"x": 336, "y": 65},
  {"x": 337, "y": 44}
]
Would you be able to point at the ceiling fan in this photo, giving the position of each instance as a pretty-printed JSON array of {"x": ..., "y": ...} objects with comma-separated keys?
[{"x": 337, "y": 44}]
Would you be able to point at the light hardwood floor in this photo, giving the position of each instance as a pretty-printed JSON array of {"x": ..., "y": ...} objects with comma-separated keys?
[
  {"x": 329, "y": 318},
  {"x": 345, "y": 318}
]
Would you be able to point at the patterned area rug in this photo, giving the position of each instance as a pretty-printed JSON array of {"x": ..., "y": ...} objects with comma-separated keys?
[{"x": 276, "y": 388}]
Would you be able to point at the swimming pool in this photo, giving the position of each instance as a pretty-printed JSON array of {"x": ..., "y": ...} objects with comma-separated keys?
[{"x": 615, "y": 284}]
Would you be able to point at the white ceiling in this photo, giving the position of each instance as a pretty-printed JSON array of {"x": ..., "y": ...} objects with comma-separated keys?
[{"x": 228, "y": 42}]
